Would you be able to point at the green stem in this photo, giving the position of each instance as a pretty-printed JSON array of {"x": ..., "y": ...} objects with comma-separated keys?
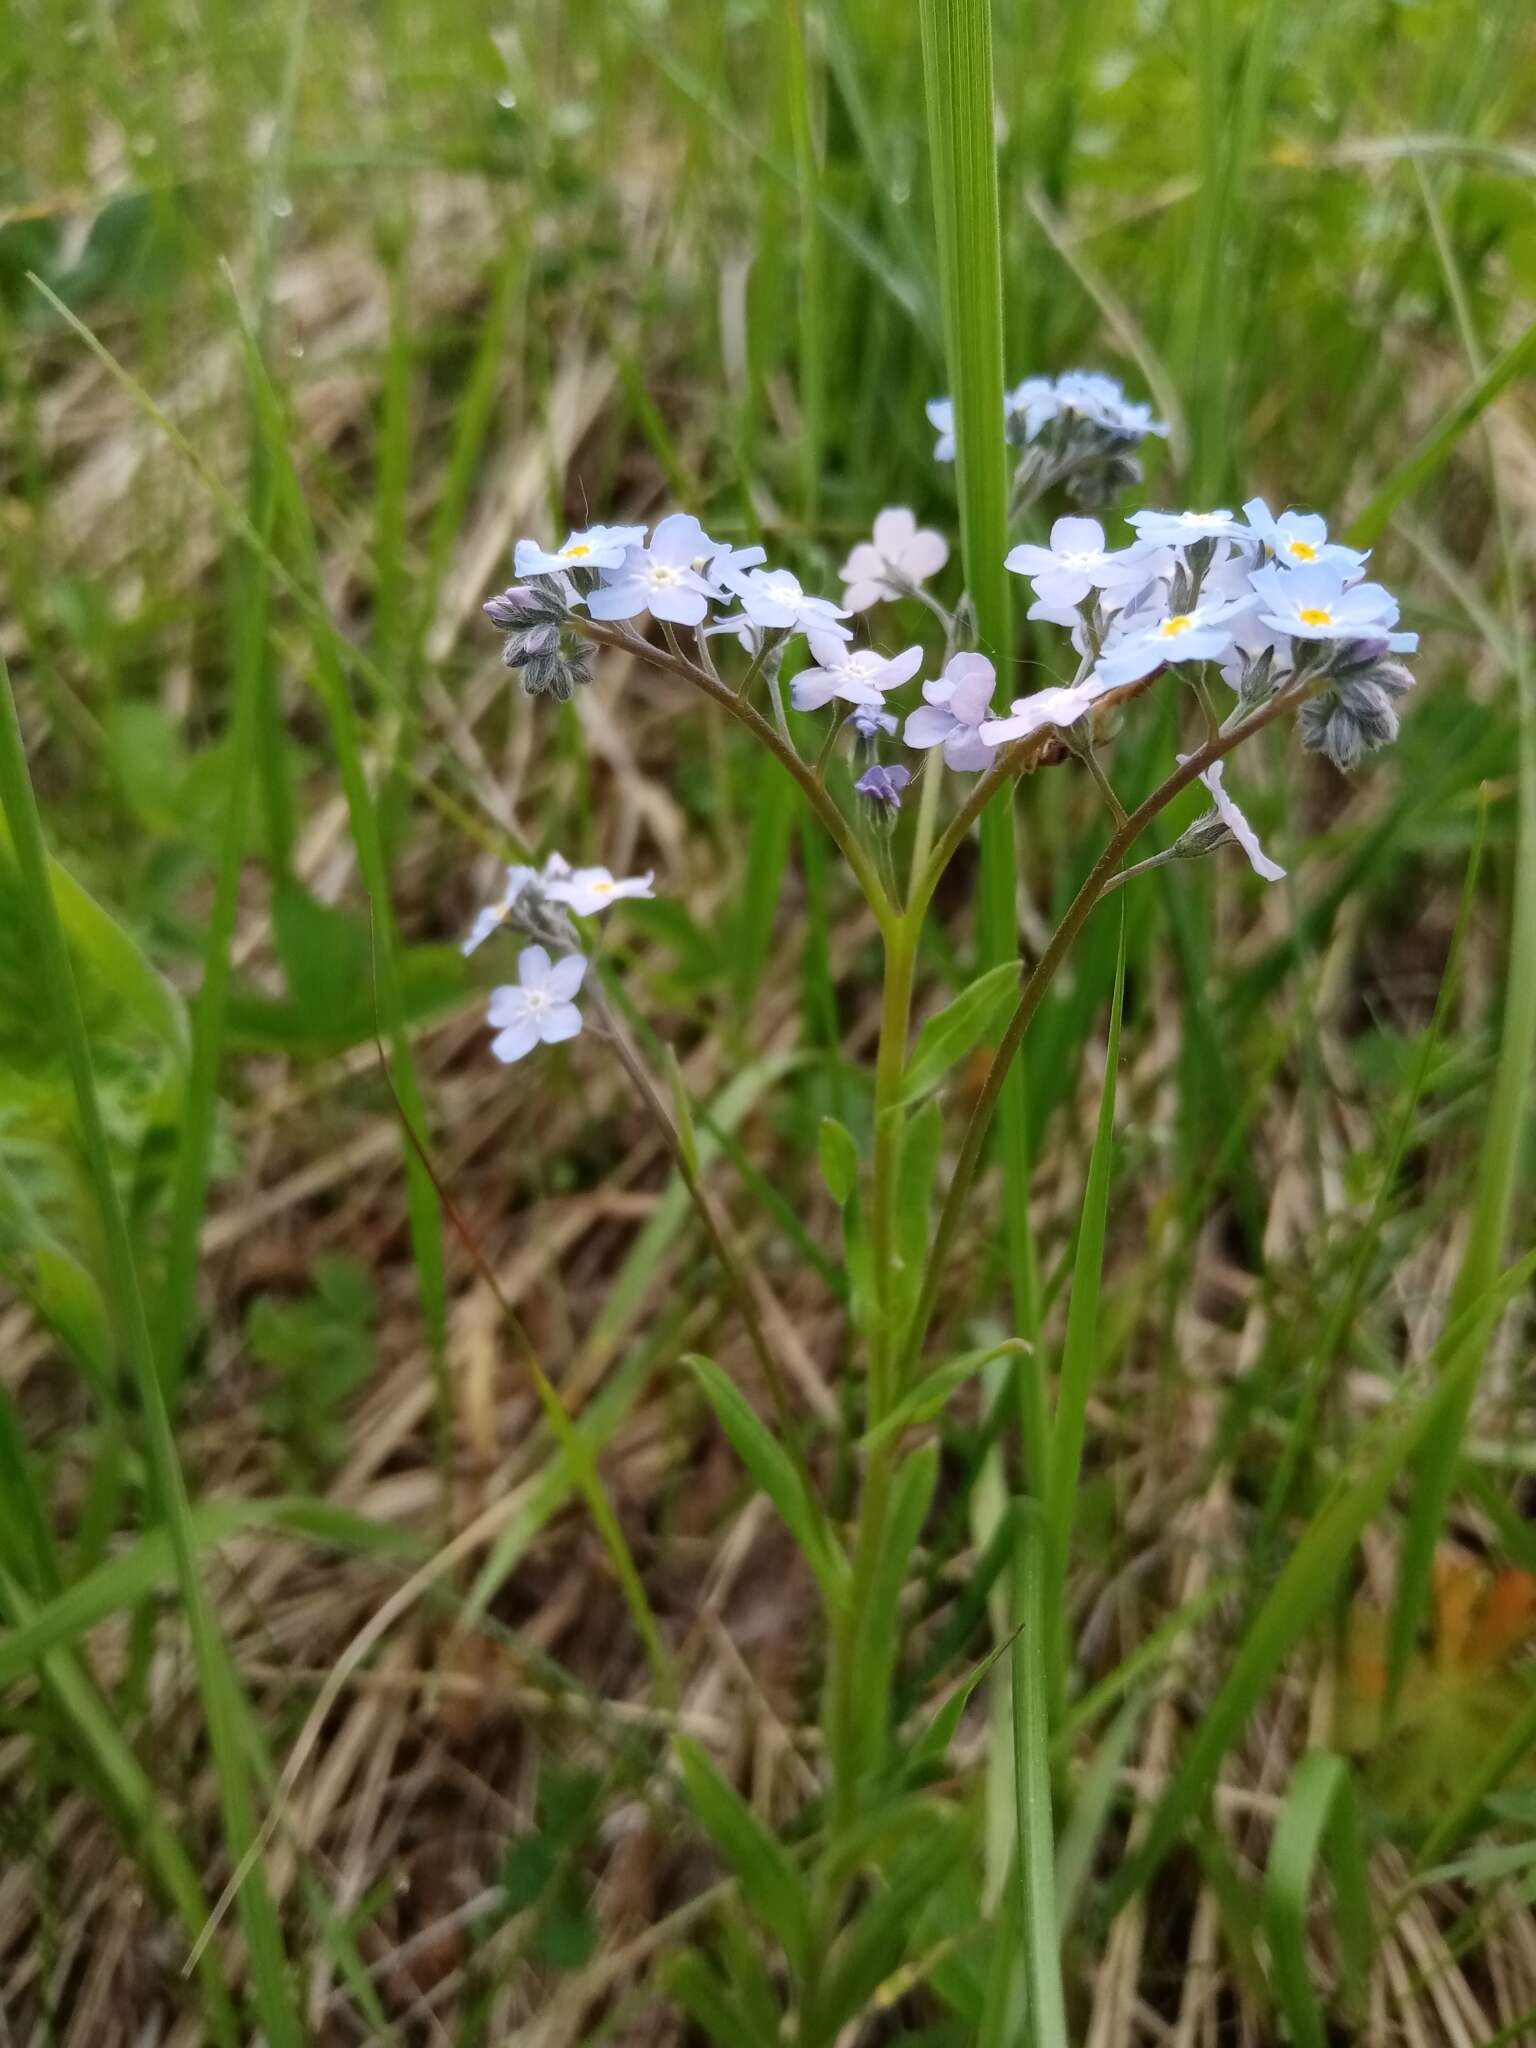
[
  {"x": 890, "y": 1066},
  {"x": 222, "y": 1705},
  {"x": 1040, "y": 977}
]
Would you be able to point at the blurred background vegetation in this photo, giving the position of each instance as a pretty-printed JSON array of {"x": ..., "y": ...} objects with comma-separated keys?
[{"x": 374, "y": 290}]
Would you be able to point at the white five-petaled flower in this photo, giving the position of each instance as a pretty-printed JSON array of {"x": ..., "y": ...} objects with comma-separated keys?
[
  {"x": 588, "y": 890},
  {"x": 495, "y": 915},
  {"x": 1300, "y": 539},
  {"x": 1060, "y": 705},
  {"x": 660, "y": 579},
  {"x": 900, "y": 555},
  {"x": 598, "y": 547},
  {"x": 772, "y": 598},
  {"x": 538, "y": 1008},
  {"x": 1314, "y": 604},
  {"x": 957, "y": 704},
  {"x": 1237, "y": 824},
  {"x": 857, "y": 675},
  {"x": 1179, "y": 529},
  {"x": 1200, "y": 634},
  {"x": 1077, "y": 561}
]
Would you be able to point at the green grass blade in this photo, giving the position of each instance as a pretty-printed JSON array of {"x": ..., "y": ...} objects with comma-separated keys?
[
  {"x": 1080, "y": 1354},
  {"x": 1035, "y": 1848},
  {"x": 1509, "y": 1106},
  {"x": 1320, "y": 1807},
  {"x": 218, "y": 1684},
  {"x": 1306, "y": 1584},
  {"x": 189, "y": 1191},
  {"x": 1439, "y": 443},
  {"x": 769, "y": 1880}
]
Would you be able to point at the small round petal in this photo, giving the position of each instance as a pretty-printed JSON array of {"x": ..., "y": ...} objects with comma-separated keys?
[
  {"x": 566, "y": 976},
  {"x": 966, "y": 751},
  {"x": 893, "y": 529},
  {"x": 901, "y": 668},
  {"x": 533, "y": 967},
  {"x": 929, "y": 725},
  {"x": 561, "y": 1022},
  {"x": 515, "y": 1042},
  {"x": 626, "y": 599},
  {"x": 681, "y": 607}
]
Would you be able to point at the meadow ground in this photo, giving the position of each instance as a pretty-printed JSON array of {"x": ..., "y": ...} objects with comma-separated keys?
[{"x": 355, "y": 297}]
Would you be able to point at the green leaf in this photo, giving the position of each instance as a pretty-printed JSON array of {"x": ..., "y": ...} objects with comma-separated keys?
[
  {"x": 973, "y": 1017},
  {"x": 770, "y": 1883},
  {"x": 880, "y": 1939},
  {"x": 1320, "y": 1807},
  {"x": 771, "y": 1467},
  {"x": 324, "y": 951},
  {"x": 878, "y": 1635},
  {"x": 931, "y": 1394},
  {"x": 839, "y": 1160},
  {"x": 710, "y": 2003}
]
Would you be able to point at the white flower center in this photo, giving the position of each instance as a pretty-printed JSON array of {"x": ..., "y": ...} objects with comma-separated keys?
[
  {"x": 663, "y": 576},
  {"x": 784, "y": 593},
  {"x": 535, "y": 1000},
  {"x": 1083, "y": 558}
]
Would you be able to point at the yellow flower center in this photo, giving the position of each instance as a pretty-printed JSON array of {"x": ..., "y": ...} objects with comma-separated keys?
[
  {"x": 1303, "y": 550},
  {"x": 1172, "y": 628},
  {"x": 1315, "y": 615},
  {"x": 578, "y": 548}
]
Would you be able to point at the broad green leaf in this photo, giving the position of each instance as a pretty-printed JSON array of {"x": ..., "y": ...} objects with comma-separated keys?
[
  {"x": 770, "y": 1883},
  {"x": 772, "y": 1469},
  {"x": 972, "y": 1018}
]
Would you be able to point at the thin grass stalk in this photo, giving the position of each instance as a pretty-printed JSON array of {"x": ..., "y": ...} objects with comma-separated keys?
[
  {"x": 1504, "y": 1130},
  {"x": 957, "y": 63},
  {"x": 189, "y": 1192},
  {"x": 222, "y": 1704}
]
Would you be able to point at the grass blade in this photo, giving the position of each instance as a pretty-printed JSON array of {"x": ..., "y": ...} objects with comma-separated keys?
[
  {"x": 1035, "y": 1848},
  {"x": 1320, "y": 1808},
  {"x": 1080, "y": 1356},
  {"x": 216, "y": 1678}
]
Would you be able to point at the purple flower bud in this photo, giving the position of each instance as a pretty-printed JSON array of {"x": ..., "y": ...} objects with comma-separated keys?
[{"x": 883, "y": 785}]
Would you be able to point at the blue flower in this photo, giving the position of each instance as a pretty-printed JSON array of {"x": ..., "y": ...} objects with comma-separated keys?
[
  {"x": 1076, "y": 562},
  {"x": 660, "y": 579},
  {"x": 1315, "y": 604},
  {"x": 1201, "y": 634},
  {"x": 1300, "y": 539},
  {"x": 539, "y": 1008},
  {"x": 598, "y": 547},
  {"x": 957, "y": 703},
  {"x": 1180, "y": 529},
  {"x": 857, "y": 675},
  {"x": 773, "y": 598}
]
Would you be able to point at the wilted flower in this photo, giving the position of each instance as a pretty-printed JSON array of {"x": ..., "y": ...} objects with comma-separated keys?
[
  {"x": 538, "y": 1009},
  {"x": 956, "y": 704},
  {"x": 598, "y": 547},
  {"x": 495, "y": 915},
  {"x": 660, "y": 579},
  {"x": 900, "y": 555},
  {"x": 1300, "y": 539},
  {"x": 588, "y": 890},
  {"x": 883, "y": 785},
  {"x": 857, "y": 675},
  {"x": 773, "y": 598},
  {"x": 1237, "y": 826}
]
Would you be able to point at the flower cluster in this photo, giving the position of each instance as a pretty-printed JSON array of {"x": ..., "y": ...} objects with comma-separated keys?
[
  {"x": 1266, "y": 602},
  {"x": 1078, "y": 429},
  {"x": 540, "y": 1007}
]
